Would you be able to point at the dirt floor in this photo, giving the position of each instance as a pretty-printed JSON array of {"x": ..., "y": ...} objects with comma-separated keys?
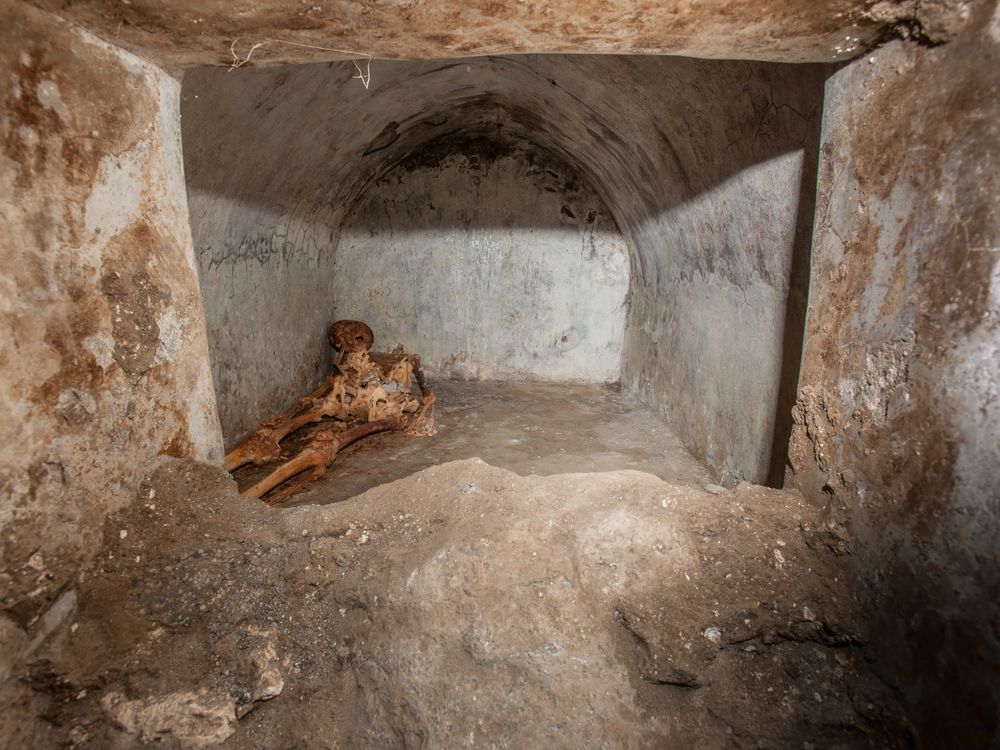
[
  {"x": 532, "y": 428},
  {"x": 462, "y": 606}
]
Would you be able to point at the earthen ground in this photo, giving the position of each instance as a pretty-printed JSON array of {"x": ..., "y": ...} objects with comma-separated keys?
[{"x": 462, "y": 606}]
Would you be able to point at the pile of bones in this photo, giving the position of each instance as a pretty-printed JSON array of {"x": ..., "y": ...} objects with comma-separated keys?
[{"x": 370, "y": 392}]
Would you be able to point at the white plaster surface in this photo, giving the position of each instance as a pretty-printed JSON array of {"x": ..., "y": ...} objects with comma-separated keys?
[{"x": 486, "y": 273}]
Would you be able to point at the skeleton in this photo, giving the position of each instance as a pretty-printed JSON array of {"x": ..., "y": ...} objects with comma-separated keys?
[{"x": 370, "y": 392}]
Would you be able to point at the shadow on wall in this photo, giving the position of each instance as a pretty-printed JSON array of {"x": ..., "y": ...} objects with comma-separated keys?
[
  {"x": 739, "y": 342},
  {"x": 793, "y": 331},
  {"x": 706, "y": 167}
]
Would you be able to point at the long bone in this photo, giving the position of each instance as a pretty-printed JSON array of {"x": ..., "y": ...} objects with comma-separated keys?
[
  {"x": 372, "y": 391},
  {"x": 329, "y": 400},
  {"x": 317, "y": 455}
]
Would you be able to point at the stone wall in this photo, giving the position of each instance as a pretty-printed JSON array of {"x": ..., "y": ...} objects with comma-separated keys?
[
  {"x": 103, "y": 358},
  {"x": 182, "y": 33},
  {"x": 898, "y": 417}
]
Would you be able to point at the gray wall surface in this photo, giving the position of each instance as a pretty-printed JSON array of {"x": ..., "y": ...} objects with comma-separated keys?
[
  {"x": 898, "y": 417},
  {"x": 706, "y": 168},
  {"x": 265, "y": 273},
  {"x": 491, "y": 263}
]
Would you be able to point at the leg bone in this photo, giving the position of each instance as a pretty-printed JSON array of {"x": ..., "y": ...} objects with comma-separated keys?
[{"x": 319, "y": 454}]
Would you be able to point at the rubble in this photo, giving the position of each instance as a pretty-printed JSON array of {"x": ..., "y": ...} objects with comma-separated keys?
[
  {"x": 565, "y": 611},
  {"x": 191, "y": 719}
]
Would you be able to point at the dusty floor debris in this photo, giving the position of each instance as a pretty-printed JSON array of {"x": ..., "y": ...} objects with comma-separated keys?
[{"x": 463, "y": 606}]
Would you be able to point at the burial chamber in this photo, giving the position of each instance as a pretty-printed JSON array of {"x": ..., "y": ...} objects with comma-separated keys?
[
  {"x": 586, "y": 218},
  {"x": 766, "y": 231}
]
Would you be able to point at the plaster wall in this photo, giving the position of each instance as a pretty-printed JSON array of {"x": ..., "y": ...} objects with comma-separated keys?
[
  {"x": 267, "y": 299},
  {"x": 716, "y": 323},
  {"x": 492, "y": 263},
  {"x": 103, "y": 357},
  {"x": 706, "y": 168},
  {"x": 897, "y": 424}
]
